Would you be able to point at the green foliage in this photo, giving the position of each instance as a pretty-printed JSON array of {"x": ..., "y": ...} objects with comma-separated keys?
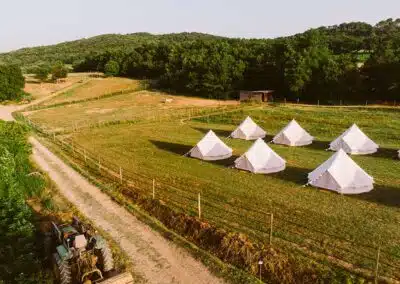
[
  {"x": 59, "y": 71},
  {"x": 19, "y": 254},
  {"x": 111, "y": 68},
  {"x": 320, "y": 64},
  {"x": 11, "y": 82},
  {"x": 42, "y": 73}
]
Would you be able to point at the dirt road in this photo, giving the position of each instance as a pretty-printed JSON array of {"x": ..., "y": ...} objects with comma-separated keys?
[
  {"x": 155, "y": 259},
  {"x": 158, "y": 260}
]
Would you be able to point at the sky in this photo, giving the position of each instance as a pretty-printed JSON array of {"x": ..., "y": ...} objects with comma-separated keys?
[{"x": 25, "y": 23}]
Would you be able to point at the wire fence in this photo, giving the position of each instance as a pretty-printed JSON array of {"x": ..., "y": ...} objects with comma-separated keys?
[{"x": 267, "y": 227}]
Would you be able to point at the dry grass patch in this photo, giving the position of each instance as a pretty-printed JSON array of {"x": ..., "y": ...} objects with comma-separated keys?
[
  {"x": 95, "y": 88},
  {"x": 136, "y": 106},
  {"x": 39, "y": 90}
]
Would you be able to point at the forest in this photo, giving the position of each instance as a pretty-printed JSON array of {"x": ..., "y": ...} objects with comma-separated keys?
[{"x": 351, "y": 63}]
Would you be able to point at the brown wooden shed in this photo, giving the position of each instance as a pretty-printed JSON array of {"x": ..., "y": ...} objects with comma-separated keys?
[{"x": 256, "y": 96}]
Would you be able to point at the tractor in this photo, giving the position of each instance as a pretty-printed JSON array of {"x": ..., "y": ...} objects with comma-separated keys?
[{"x": 82, "y": 256}]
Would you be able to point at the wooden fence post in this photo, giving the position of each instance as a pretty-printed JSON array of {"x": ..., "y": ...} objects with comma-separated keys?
[
  {"x": 120, "y": 174},
  {"x": 377, "y": 264},
  {"x": 199, "y": 206},
  {"x": 84, "y": 155},
  {"x": 154, "y": 188},
  {"x": 318, "y": 102},
  {"x": 285, "y": 100},
  {"x": 271, "y": 228}
]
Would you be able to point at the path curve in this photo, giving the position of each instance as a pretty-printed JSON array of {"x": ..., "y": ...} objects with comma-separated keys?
[{"x": 155, "y": 258}]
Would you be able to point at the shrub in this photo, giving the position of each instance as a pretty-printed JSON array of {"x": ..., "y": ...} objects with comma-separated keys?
[
  {"x": 111, "y": 68},
  {"x": 42, "y": 73},
  {"x": 59, "y": 71}
]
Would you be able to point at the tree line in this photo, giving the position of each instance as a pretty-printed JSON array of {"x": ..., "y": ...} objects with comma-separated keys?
[{"x": 350, "y": 63}]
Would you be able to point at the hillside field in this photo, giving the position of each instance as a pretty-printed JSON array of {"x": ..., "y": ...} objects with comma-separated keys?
[{"x": 307, "y": 221}]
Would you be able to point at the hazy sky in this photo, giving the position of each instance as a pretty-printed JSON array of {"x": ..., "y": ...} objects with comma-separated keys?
[{"x": 40, "y": 22}]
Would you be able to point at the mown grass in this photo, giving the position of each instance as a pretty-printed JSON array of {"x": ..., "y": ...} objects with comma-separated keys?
[{"x": 345, "y": 227}]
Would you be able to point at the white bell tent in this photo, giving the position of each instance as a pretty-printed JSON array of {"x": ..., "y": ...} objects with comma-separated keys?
[
  {"x": 210, "y": 148},
  {"x": 293, "y": 135},
  {"x": 248, "y": 130},
  {"x": 354, "y": 141},
  {"x": 341, "y": 174},
  {"x": 260, "y": 159}
]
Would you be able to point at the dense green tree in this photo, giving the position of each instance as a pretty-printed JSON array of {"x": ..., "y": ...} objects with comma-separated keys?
[
  {"x": 111, "y": 68},
  {"x": 59, "y": 71},
  {"x": 351, "y": 61},
  {"x": 11, "y": 82},
  {"x": 42, "y": 73}
]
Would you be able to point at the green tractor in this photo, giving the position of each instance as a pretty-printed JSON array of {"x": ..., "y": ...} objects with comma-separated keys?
[{"x": 81, "y": 255}]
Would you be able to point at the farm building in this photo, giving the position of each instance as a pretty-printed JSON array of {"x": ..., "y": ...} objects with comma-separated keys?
[{"x": 257, "y": 96}]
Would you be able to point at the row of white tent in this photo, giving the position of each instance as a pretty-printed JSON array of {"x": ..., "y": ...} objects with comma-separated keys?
[
  {"x": 352, "y": 141},
  {"x": 339, "y": 173}
]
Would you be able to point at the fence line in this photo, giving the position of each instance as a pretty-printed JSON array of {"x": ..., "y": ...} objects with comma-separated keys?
[{"x": 136, "y": 181}]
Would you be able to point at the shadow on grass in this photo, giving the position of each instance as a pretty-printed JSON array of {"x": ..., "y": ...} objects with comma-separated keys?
[
  {"x": 32, "y": 81},
  {"x": 318, "y": 145},
  {"x": 225, "y": 133},
  {"x": 224, "y": 163},
  {"x": 181, "y": 149},
  {"x": 386, "y": 153},
  {"x": 384, "y": 195},
  {"x": 292, "y": 174},
  {"x": 175, "y": 148}
]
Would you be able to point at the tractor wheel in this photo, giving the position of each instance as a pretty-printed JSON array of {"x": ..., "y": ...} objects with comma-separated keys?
[
  {"x": 106, "y": 259},
  {"x": 62, "y": 270}
]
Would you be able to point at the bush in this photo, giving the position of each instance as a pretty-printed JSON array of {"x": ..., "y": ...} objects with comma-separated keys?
[
  {"x": 11, "y": 82},
  {"x": 42, "y": 73},
  {"x": 59, "y": 71},
  {"x": 19, "y": 252},
  {"x": 111, "y": 68}
]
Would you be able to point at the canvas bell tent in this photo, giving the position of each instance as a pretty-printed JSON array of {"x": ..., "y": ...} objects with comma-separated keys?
[
  {"x": 354, "y": 141},
  {"x": 260, "y": 159},
  {"x": 248, "y": 130},
  {"x": 293, "y": 135},
  {"x": 341, "y": 174},
  {"x": 210, "y": 148}
]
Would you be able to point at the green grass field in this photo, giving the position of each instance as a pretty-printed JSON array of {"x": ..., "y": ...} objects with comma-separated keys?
[
  {"x": 317, "y": 220},
  {"x": 307, "y": 221}
]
